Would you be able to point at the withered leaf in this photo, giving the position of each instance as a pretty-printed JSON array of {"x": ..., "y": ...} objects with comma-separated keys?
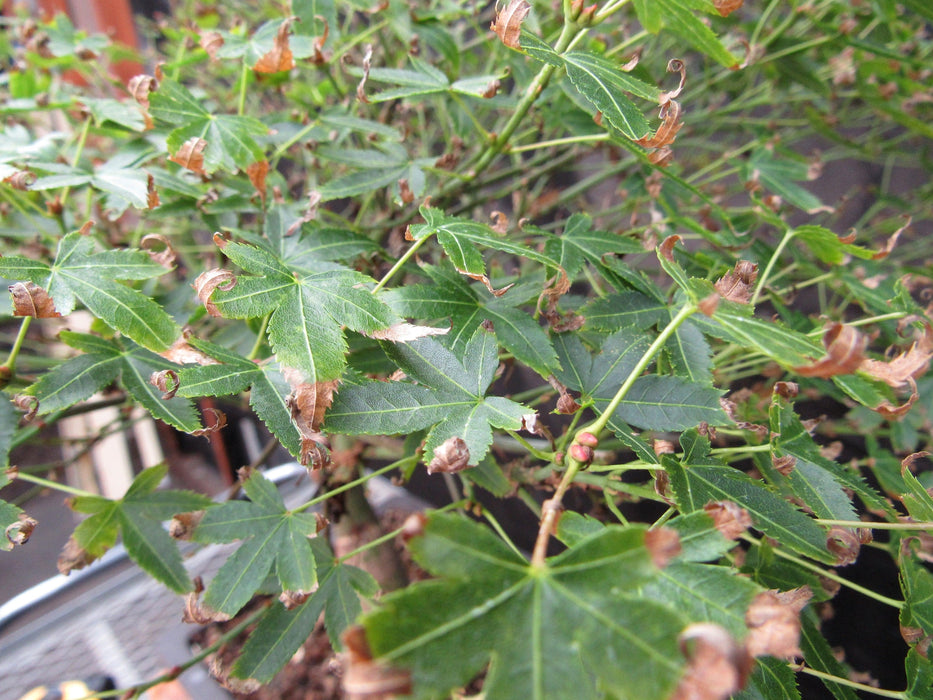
[
  {"x": 181, "y": 353},
  {"x": 671, "y": 123},
  {"x": 450, "y": 457},
  {"x": 257, "y": 173},
  {"x": 183, "y": 524},
  {"x": 784, "y": 465},
  {"x": 885, "y": 251},
  {"x": 406, "y": 332},
  {"x": 32, "y": 300},
  {"x": 729, "y": 518},
  {"x": 717, "y": 665},
  {"x": 663, "y": 544},
  {"x": 365, "y": 679},
  {"x": 279, "y": 58},
  {"x": 191, "y": 155},
  {"x": 164, "y": 257},
  {"x": 737, "y": 284},
  {"x": 73, "y": 557},
  {"x": 20, "y": 180},
  {"x": 675, "y": 65},
  {"x": 508, "y": 22},
  {"x": 210, "y": 280},
  {"x": 844, "y": 544},
  {"x": 727, "y": 7},
  {"x": 907, "y": 366},
  {"x": 216, "y": 420},
  {"x": 773, "y": 621},
  {"x": 308, "y": 403},
  {"x": 845, "y": 351},
  {"x": 165, "y": 381},
  {"x": 19, "y": 532},
  {"x": 367, "y": 65},
  {"x": 486, "y": 283},
  {"x": 667, "y": 247},
  {"x": 211, "y": 42},
  {"x": 152, "y": 196},
  {"x": 140, "y": 86}
]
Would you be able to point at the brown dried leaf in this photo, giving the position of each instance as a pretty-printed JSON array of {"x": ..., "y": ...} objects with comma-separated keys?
[
  {"x": 729, "y": 518},
  {"x": 29, "y": 404},
  {"x": 907, "y": 366},
  {"x": 508, "y": 22},
  {"x": 368, "y": 680},
  {"x": 492, "y": 88},
  {"x": 318, "y": 58},
  {"x": 844, "y": 544},
  {"x": 708, "y": 305},
  {"x": 786, "y": 390},
  {"x": 413, "y": 526},
  {"x": 367, "y": 64},
  {"x": 892, "y": 412},
  {"x": 195, "y": 612},
  {"x": 727, "y": 7},
  {"x": 450, "y": 457},
  {"x": 292, "y": 599},
  {"x": 182, "y": 525},
  {"x": 139, "y": 88},
  {"x": 845, "y": 351},
  {"x": 216, "y": 420},
  {"x": 662, "y": 157},
  {"x": 667, "y": 247},
  {"x": 675, "y": 65},
  {"x": 183, "y": 354},
  {"x": 663, "y": 447},
  {"x": 152, "y": 196},
  {"x": 485, "y": 280},
  {"x": 773, "y": 621},
  {"x": 717, "y": 666},
  {"x": 164, "y": 257},
  {"x": 210, "y": 280},
  {"x": 73, "y": 557},
  {"x": 566, "y": 404},
  {"x": 165, "y": 381},
  {"x": 885, "y": 251},
  {"x": 191, "y": 155},
  {"x": 18, "y": 533},
  {"x": 785, "y": 465},
  {"x": 671, "y": 123},
  {"x": 406, "y": 332},
  {"x": 308, "y": 403},
  {"x": 221, "y": 673},
  {"x": 257, "y": 176},
  {"x": 31, "y": 300},
  {"x": 20, "y": 180},
  {"x": 404, "y": 191},
  {"x": 279, "y": 58},
  {"x": 663, "y": 544},
  {"x": 501, "y": 223},
  {"x": 737, "y": 284},
  {"x": 211, "y": 41}
]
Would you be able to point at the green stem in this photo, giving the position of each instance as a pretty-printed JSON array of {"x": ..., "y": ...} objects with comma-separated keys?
[
  {"x": 46, "y": 483},
  {"x": 260, "y": 338},
  {"x": 876, "y": 526},
  {"x": 398, "y": 263},
  {"x": 852, "y": 684},
  {"x": 538, "y": 454},
  {"x": 241, "y": 101},
  {"x": 357, "y": 482},
  {"x": 898, "y": 604},
  {"x": 17, "y": 345},
  {"x": 77, "y": 157},
  {"x": 588, "y": 138},
  {"x": 788, "y": 236}
]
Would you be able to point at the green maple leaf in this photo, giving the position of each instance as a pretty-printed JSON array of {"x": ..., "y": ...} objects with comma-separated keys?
[
  {"x": 466, "y": 306},
  {"x": 267, "y": 386},
  {"x": 273, "y": 538},
  {"x": 282, "y": 632},
  {"x": 231, "y": 139},
  {"x": 310, "y": 301},
  {"x": 103, "y": 362},
  {"x": 449, "y": 397},
  {"x": 137, "y": 517},
  {"x": 579, "y": 244},
  {"x": 81, "y": 274},
  {"x": 552, "y": 632},
  {"x": 655, "y": 402}
]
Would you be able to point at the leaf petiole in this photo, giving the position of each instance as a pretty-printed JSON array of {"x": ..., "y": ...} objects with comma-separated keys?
[
  {"x": 47, "y": 483},
  {"x": 10, "y": 364}
]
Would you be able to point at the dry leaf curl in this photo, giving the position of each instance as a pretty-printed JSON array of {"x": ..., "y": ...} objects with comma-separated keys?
[
  {"x": 508, "y": 22},
  {"x": 210, "y": 280},
  {"x": 191, "y": 155},
  {"x": 729, "y": 518},
  {"x": 845, "y": 351},
  {"x": 31, "y": 300},
  {"x": 279, "y": 58},
  {"x": 717, "y": 666},
  {"x": 773, "y": 621},
  {"x": 450, "y": 457}
]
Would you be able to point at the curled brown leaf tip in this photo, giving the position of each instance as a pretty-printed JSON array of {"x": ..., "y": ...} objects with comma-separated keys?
[
  {"x": 216, "y": 420},
  {"x": 140, "y": 86},
  {"x": 708, "y": 305},
  {"x": 308, "y": 402},
  {"x": 292, "y": 599},
  {"x": 845, "y": 351},
  {"x": 667, "y": 247},
  {"x": 786, "y": 390},
  {"x": 367, "y": 66},
  {"x": 450, "y": 457},
  {"x": 844, "y": 544},
  {"x": 885, "y": 251},
  {"x": 717, "y": 666},
  {"x": 905, "y": 367},
  {"x": 195, "y": 612},
  {"x": 29, "y": 404},
  {"x": 182, "y": 525},
  {"x": 500, "y": 222},
  {"x": 159, "y": 248},
  {"x": 31, "y": 300},
  {"x": 508, "y": 22},
  {"x": 784, "y": 465},
  {"x": 152, "y": 195},
  {"x": 675, "y": 65},
  {"x": 181, "y": 353},
  {"x": 729, "y": 518},
  {"x": 257, "y": 173},
  {"x": 413, "y": 526},
  {"x": 73, "y": 557},
  {"x": 366, "y": 679},
  {"x": 727, "y": 7},
  {"x": 663, "y": 447},
  {"x": 663, "y": 544},
  {"x": 737, "y": 284},
  {"x": 210, "y": 280},
  {"x": 20, "y": 180},
  {"x": 671, "y": 123},
  {"x": 191, "y": 155},
  {"x": 773, "y": 621},
  {"x": 279, "y": 58},
  {"x": 211, "y": 42},
  {"x": 165, "y": 381},
  {"x": 19, "y": 532}
]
